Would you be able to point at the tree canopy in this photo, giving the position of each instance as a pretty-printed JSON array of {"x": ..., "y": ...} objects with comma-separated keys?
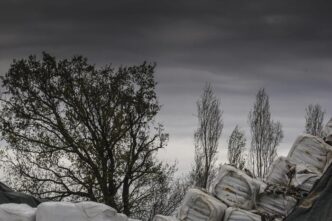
[
  {"x": 207, "y": 136},
  {"x": 236, "y": 148},
  {"x": 265, "y": 135},
  {"x": 314, "y": 118},
  {"x": 81, "y": 132}
]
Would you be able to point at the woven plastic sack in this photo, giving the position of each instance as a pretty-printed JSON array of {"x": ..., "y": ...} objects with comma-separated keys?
[
  {"x": 236, "y": 214},
  {"x": 164, "y": 218},
  {"x": 276, "y": 204},
  {"x": 198, "y": 205},
  {"x": 312, "y": 151},
  {"x": 235, "y": 188}
]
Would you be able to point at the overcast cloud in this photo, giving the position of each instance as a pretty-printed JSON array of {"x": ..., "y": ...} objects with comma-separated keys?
[{"x": 238, "y": 46}]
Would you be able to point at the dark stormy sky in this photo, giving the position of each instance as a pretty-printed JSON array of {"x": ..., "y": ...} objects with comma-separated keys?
[{"x": 238, "y": 46}]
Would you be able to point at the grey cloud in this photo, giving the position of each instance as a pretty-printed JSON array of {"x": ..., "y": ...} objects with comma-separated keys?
[{"x": 238, "y": 45}]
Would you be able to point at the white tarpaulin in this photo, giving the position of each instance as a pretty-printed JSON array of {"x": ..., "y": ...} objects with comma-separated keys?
[
  {"x": 85, "y": 211},
  {"x": 164, "y": 218},
  {"x": 198, "y": 205},
  {"x": 276, "y": 204},
  {"x": 17, "y": 212},
  {"x": 312, "y": 151},
  {"x": 236, "y": 214},
  {"x": 278, "y": 171},
  {"x": 235, "y": 188}
]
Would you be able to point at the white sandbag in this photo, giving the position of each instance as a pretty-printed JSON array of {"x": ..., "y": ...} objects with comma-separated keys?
[
  {"x": 236, "y": 214},
  {"x": 278, "y": 171},
  {"x": 235, "y": 188},
  {"x": 131, "y": 219},
  {"x": 198, "y": 205},
  {"x": 276, "y": 204},
  {"x": 99, "y": 212},
  {"x": 17, "y": 212},
  {"x": 312, "y": 151},
  {"x": 164, "y": 218},
  {"x": 327, "y": 132},
  {"x": 118, "y": 217},
  {"x": 84, "y": 211},
  {"x": 305, "y": 177},
  {"x": 59, "y": 211}
]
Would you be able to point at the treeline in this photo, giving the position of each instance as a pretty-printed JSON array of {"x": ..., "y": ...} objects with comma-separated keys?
[
  {"x": 266, "y": 135},
  {"x": 77, "y": 132}
]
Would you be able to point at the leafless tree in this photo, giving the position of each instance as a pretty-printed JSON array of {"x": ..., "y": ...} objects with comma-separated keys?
[
  {"x": 314, "y": 119},
  {"x": 207, "y": 135},
  {"x": 265, "y": 135},
  {"x": 80, "y": 132},
  {"x": 236, "y": 148},
  {"x": 169, "y": 197}
]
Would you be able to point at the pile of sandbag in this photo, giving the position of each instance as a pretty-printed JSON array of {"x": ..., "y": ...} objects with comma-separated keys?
[
  {"x": 298, "y": 172},
  {"x": 231, "y": 190},
  {"x": 236, "y": 196},
  {"x": 306, "y": 162},
  {"x": 200, "y": 205},
  {"x": 233, "y": 195}
]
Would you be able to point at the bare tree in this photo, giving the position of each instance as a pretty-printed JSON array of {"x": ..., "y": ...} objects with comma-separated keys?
[
  {"x": 169, "y": 197},
  {"x": 314, "y": 119},
  {"x": 265, "y": 135},
  {"x": 207, "y": 136},
  {"x": 236, "y": 147},
  {"x": 75, "y": 131}
]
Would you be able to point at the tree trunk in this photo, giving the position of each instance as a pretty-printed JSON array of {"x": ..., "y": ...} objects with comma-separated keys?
[{"x": 125, "y": 196}]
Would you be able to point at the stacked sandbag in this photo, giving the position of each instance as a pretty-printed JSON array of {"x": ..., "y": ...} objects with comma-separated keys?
[
  {"x": 279, "y": 205},
  {"x": 286, "y": 173},
  {"x": 164, "y": 218},
  {"x": 312, "y": 151},
  {"x": 279, "y": 172},
  {"x": 198, "y": 205},
  {"x": 236, "y": 214},
  {"x": 85, "y": 211},
  {"x": 235, "y": 188},
  {"x": 17, "y": 212},
  {"x": 327, "y": 132},
  {"x": 305, "y": 177}
]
